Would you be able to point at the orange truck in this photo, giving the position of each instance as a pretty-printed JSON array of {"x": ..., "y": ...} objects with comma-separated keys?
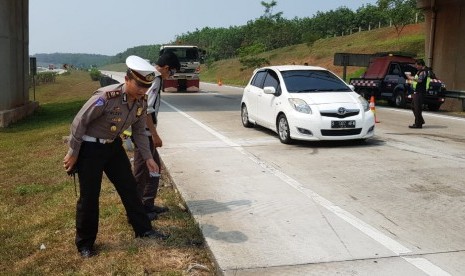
[{"x": 385, "y": 78}]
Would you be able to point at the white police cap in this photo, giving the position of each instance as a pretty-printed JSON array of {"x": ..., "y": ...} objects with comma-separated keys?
[{"x": 141, "y": 69}]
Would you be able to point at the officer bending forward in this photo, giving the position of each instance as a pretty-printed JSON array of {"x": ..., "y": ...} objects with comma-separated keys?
[{"x": 95, "y": 147}]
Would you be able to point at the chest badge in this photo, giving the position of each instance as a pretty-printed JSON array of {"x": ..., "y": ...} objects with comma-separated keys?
[{"x": 139, "y": 111}]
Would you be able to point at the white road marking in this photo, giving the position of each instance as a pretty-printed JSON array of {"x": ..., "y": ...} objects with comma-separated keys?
[{"x": 397, "y": 248}]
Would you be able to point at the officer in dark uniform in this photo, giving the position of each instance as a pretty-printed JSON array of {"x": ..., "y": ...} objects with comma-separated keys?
[
  {"x": 95, "y": 147},
  {"x": 419, "y": 83},
  {"x": 147, "y": 186}
]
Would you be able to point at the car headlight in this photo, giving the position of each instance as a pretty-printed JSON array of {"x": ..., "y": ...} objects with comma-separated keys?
[
  {"x": 300, "y": 106},
  {"x": 365, "y": 103}
]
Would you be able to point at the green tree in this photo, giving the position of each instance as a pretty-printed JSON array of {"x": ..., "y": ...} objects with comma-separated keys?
[
  {"x": 248, "y": 56},
  {"x": 269, "y": 10},
  {"x": 400, "y": 12},
  {"x": 369, "y": 16}
]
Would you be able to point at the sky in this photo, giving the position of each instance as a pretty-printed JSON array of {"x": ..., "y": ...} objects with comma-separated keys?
[{"x": 109, "y": 27}]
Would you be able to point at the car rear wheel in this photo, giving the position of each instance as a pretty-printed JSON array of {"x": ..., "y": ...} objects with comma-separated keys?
[
  {"x": 284, "y": 132},
  {"x": 245, "y": 117}
]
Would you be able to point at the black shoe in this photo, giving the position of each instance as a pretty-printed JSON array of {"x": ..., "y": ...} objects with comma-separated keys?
[
  {"x": 156, "y": 209},
  {"x": 152, "y": 234},
  {"x": 414, "y": 126},
  {"x": 87, "y": 252},
  {"x": 152, "y": 216}
]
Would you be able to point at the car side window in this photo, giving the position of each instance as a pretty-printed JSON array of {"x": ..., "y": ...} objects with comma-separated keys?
[
  {"x": 273, "y": 81},
  {"x": 258, "y": 79},
  {"x": 394, "y": 69}
]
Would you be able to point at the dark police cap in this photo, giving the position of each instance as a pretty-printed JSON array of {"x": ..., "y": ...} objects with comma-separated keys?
[{"x": 140, "y": 69}]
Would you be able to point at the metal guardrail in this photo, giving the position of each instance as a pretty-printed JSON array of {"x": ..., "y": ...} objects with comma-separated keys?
[{"x": 454, "y": 94}]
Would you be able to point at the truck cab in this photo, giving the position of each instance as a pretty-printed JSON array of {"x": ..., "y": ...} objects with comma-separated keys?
[{"x": 385, "y": 78}]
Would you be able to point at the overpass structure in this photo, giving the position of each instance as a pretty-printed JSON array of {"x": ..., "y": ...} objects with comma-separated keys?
[
  {"x": 14, "y": 61},
  {"x": 445, "y": 37},
  {"x": 445, "y": 40}
]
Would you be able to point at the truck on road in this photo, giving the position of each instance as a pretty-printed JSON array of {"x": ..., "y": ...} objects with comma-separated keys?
[
  {"x": 385, "y": 78},
  {"x": 187, "y": 78}
]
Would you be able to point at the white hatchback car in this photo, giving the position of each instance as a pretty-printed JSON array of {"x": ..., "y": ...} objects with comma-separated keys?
[{"x": 305, "y": 103}]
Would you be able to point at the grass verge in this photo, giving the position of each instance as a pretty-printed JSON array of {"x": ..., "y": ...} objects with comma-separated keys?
[{"x": 37, "y": 204}]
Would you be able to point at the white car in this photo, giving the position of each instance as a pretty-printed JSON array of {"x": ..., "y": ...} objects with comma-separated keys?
[{"x": 305, "y": 103}]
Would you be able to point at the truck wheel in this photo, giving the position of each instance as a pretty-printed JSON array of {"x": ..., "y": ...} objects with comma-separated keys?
[
  {"x": 400, "y": 99},
  {"x": 434, "y": 107}
]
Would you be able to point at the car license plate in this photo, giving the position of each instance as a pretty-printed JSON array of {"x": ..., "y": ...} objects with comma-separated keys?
[{"x": 343, "y": 124}]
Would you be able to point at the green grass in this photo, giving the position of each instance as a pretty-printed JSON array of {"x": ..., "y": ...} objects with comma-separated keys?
[{"x": 37, "y": 203}]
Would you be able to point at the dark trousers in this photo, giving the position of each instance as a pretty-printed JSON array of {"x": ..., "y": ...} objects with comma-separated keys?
[
  {"x": 417, "y": 107},
  {"x": 94, "y": 159},
  {"x": 147, "y": 187}
]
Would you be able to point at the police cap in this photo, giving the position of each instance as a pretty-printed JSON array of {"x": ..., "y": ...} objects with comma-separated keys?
[{"x": 141, "y": 70}]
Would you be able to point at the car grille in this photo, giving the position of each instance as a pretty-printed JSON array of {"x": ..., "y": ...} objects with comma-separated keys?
[
  {"x": 341, "y": 132},
  {"x": 335, "y": 114}
]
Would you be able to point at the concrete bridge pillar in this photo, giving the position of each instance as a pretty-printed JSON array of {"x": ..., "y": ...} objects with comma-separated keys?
[{"x": 14, "y": 61}]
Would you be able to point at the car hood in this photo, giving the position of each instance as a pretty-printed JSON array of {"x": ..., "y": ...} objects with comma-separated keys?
[{"x": 328, "y": 97}]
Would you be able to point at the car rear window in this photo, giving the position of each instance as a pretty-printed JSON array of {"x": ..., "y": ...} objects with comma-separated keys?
[{"x": 308, "y": 81}]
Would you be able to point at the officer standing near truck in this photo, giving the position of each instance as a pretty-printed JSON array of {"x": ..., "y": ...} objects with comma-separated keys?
[
  {"x": 95, "y": 146},
  {"x": 419, "y": 89},
  {"x": 147, "y": 184}
]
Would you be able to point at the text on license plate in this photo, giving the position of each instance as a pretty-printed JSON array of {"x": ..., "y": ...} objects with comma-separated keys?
[{"x": 343, "y": 124}]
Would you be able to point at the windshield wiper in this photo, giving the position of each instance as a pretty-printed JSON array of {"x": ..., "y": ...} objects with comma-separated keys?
[{"x": 308, "y": 90}]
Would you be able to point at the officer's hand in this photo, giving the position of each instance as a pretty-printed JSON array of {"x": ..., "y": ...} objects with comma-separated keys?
[
  {"x": 152, "y": 166},
  {"x": 68, "y": 162},
  {"x": 157, "y": 141}
]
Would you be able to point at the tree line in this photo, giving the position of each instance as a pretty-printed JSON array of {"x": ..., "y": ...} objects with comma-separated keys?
[{"x": 272, "y": 30}]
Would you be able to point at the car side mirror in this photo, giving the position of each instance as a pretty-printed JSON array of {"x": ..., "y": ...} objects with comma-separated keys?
[
  {"x": 269, "y": 90},
  {"x": 352, "y": 87}
]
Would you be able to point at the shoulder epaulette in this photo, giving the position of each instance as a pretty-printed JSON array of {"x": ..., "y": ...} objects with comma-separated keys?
[{"x": 113, "y": 94}]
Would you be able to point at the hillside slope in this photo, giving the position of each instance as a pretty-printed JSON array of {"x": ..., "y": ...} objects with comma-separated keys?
[{"x": 321, "y": 53}]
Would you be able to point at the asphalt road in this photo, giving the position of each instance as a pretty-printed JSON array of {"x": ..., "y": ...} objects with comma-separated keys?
[{"x": 393, "y": 205}]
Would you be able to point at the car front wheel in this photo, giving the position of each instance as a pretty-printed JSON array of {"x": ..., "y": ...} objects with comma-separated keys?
[
  {"x": 284, "y": 132},
  {"x": 245, "y": 117}
]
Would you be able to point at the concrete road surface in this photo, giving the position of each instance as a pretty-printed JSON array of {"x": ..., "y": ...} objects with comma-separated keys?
[{"x": 394, "y": 205}]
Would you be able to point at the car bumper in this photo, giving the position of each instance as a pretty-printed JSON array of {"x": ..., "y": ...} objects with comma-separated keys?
[{"x": 302, "y": 127}]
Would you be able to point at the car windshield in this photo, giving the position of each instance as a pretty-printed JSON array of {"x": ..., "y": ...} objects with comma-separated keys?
[{"x": 308, "y": 81}]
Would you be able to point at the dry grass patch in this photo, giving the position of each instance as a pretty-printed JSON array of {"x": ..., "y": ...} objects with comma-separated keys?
[{"x": 38, "y": 201}]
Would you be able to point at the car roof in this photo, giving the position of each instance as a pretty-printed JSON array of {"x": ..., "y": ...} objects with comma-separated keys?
[{"x": 292, "y": 67}]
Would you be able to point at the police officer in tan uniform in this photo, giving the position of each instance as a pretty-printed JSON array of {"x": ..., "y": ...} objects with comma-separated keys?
[{"x": 95, "y": 147}]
